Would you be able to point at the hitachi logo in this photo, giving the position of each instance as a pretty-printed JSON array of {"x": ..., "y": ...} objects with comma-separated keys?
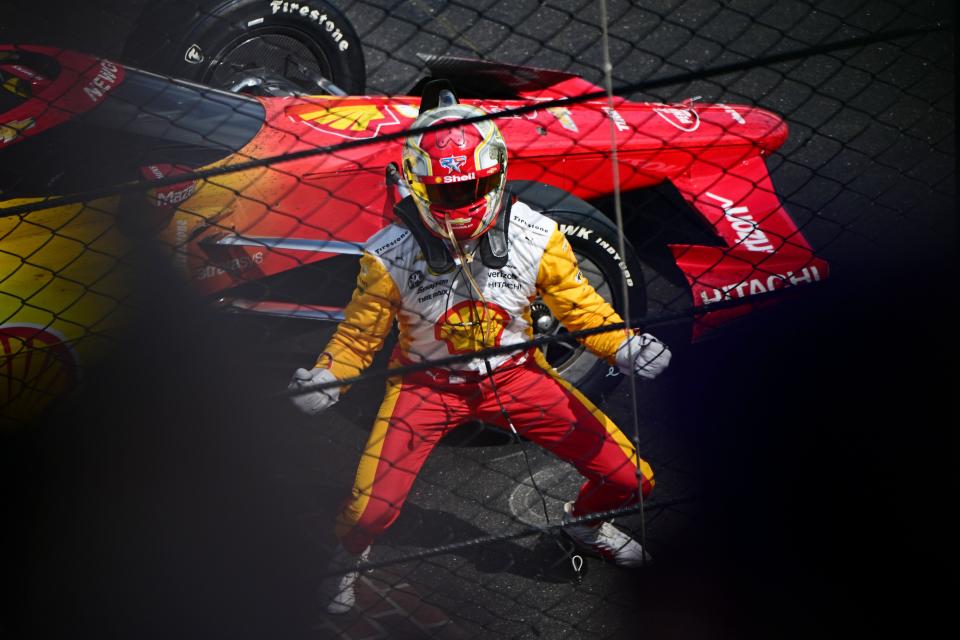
[{"x": 754, "y": 286}]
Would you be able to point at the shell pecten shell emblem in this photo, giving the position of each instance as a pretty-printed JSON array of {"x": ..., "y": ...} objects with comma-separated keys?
[
  {"x": 36, "y": 366},
  {"x": 345, "y": 120},
  {"x": 472, "y": 325}
]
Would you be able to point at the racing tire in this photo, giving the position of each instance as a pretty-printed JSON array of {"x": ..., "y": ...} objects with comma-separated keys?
[
  {"x": 207, "y": 40},
  {"x": 593, "y": 238}
]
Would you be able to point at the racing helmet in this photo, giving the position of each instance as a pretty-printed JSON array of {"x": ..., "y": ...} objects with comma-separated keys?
[{"x": 457, "y": 175}]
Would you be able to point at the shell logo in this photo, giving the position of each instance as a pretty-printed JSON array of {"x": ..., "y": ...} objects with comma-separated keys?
[
  {"x": 347, "y": 120},
  {"x": 471, "y": 325},
  {"x": 36, "y": 366}
]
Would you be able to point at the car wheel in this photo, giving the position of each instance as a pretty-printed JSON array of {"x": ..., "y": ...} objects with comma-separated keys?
[
  {"x": 593, "y": 238},
  {"x": 256, "y": 46}
]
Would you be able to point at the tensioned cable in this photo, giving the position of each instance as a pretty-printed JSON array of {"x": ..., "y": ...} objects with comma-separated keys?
[
  {"x": 622, "y": 246},
  {"x": 679, "y": 78}
]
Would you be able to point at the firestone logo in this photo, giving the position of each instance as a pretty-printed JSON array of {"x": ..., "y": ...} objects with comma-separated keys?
[{"x": 304, "y": 10}]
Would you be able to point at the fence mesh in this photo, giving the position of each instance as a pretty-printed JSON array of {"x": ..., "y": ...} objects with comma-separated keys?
[{"x": 187, "y": 187}]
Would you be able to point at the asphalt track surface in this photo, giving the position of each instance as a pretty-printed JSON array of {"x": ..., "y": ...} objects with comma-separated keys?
[{"x": 802, "y": 461}]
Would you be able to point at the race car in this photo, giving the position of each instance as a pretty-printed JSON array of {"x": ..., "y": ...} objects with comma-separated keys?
[{"x": 282, "y": 239}]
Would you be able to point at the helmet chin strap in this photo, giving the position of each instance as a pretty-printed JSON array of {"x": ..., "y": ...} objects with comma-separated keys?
[{"x": 461, "y": 258}]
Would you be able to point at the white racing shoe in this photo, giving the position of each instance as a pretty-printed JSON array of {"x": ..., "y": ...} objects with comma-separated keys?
[
  {"x": 606, "y": 540},
  {"x": 338, "y": 591}
]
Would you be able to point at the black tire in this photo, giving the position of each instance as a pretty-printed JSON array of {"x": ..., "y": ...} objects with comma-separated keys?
[
  {"x": 593, "y": 238},
  {"x": 203, "y": 40}
]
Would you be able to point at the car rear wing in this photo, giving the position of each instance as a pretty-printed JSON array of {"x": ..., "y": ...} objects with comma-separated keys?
[{"x": 766, "y": 250}]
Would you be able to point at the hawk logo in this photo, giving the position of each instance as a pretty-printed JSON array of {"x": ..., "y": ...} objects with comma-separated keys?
[
  {"x": 453, "y": 163},
  {"x": 471, "y": 326},
  {"x": 415, "y": 280},
  {"x": 345, "y": 120}
]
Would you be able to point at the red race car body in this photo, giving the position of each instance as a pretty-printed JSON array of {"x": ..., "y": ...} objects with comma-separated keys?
[{"x": 231, "y": 229}]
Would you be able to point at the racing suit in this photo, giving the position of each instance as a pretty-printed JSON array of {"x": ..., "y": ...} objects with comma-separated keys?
[{"x": 440, "y": 315}]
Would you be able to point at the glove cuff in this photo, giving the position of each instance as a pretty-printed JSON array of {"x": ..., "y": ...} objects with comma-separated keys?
[{"x": 627, "y": 353}]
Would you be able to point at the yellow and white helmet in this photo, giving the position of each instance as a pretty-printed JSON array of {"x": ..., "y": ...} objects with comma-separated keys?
[{"x": 457, "y": 174}]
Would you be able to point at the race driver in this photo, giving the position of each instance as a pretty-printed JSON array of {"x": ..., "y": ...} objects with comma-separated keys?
[{"x": 458, "y": 274}]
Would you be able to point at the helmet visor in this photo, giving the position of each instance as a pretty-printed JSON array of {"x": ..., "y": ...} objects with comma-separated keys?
[{"x": 460, "y": 194}]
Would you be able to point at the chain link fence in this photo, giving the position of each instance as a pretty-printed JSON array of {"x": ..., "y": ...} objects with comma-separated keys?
[{"x": 170, "y": 253}]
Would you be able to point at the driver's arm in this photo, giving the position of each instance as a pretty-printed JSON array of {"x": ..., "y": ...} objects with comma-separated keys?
[
  {"x": 573, "y": 301},
  {"x": 367, "y": 321}
]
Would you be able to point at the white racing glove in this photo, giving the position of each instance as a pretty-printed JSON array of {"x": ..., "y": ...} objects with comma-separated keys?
[
  {"x": 313, "y": 402},
  {"x": 643, "y": 353}
]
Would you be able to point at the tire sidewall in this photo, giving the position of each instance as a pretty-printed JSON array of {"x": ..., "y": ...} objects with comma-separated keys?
[
  {"x": 592, "y": 235},
  {"x": 205, "y": 32}
]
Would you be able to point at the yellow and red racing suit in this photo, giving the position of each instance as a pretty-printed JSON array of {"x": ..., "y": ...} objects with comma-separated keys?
[{"x": 440, "y": 315}]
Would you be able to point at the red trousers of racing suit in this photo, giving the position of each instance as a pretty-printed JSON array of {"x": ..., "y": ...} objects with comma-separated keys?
[{"x": 420, "y": 408}]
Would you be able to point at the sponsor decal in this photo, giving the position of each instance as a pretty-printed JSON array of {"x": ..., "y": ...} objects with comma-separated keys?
[
  {"x": 461, "y": 178},
  {"x": 415, "y": 280},
  {"x": 407, "y": 110},
  {"x": 662, "y": 167},
  {"x": 304, "y": 10},
  {"x": 193, "y": 55},
  {"x": 29, "y": 73},
  {"x": 17, "y": 86},
  {"x": 432, "y": 290},
  {"x": 10, "y": 131},
  {"x": 387, "y": 245},
  {"x": 345, "y": 120},
  {"x": 612, "y": 251},
  {"x": 575, "y": 230},
  {"x": 173, "y": 195},
  {"x": 236, "y": 265},
  {"x": 181, "y": 233},
  {"x": 453, "y": 163},
  {"x": 747, "y": 229},
  {"x": 529, "y": 225},
  {"x": 500, "y": 279},
  {"x": 471, "y": 325},
  {"x": 733, "y": 113},
  {"x": 38, "y": 365},
  {"x": 167, "y": 196},
  {"x": 104, "y": 81},
  {"x": 583, "y": 233},
  {"x": 683, "y": 118},
  {"x": 753, "y": 286},
  {"x": 618, "y": 120},
  {"x": 564, "y": 117},
  {"x": 494, "y": 108}
]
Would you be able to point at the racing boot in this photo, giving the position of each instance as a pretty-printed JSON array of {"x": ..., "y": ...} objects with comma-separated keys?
[
  {"x": 338, "y": 590},
  {"x": 606, "y": 541}
]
